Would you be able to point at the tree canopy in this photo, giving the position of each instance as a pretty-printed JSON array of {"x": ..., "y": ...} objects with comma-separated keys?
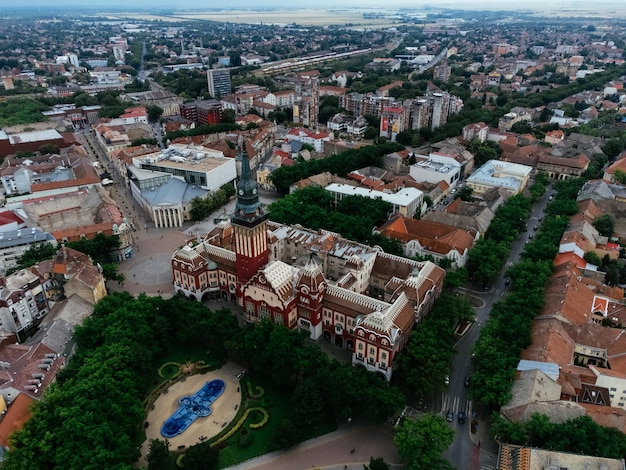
[
  {"x": 421, "y": 442},
  {"x": 354, "y": 217},
  {"x": 90, "y": 418},
  {"x": 339, "y": 164}
]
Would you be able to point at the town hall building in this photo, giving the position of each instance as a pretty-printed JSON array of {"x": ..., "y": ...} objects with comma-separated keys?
[{"x": 353, "y": 295}]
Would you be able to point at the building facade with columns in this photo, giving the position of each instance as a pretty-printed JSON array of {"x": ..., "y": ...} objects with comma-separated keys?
[
  {"x": 165, "y": 198},
  {"x": 355, "y": 296}
]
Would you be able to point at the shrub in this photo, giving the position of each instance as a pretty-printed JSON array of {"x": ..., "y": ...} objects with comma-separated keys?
[{"x": 244, "y": 440}]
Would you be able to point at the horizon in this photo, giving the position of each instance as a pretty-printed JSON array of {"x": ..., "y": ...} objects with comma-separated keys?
[{"x": 491, "y": 5}]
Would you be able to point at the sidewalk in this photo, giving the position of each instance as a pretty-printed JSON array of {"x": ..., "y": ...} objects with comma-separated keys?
[{"x": 332, "y": 451}]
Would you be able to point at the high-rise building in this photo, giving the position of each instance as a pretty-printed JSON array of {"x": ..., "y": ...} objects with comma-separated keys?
[
  {"x": 219, "y": 82},
  {"x": 202, "y": 112}
]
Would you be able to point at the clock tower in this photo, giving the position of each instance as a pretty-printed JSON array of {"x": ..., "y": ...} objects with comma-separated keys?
[{"x": 249, "y": 224}]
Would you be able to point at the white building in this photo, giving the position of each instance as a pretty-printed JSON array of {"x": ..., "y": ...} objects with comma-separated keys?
[
  {"x": 316, "y": 139},
  {"x": 23, "y": 303},
  {"x": 14, "y": 243},
  {"x": 498, "y": 174},
  {"x": 407, "y": 201},
  {"x": 206, "y": 168},
  {"x": 435, "y": 168}
]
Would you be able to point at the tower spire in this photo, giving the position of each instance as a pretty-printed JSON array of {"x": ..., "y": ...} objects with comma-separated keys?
[{"x": 248, "y": 206}]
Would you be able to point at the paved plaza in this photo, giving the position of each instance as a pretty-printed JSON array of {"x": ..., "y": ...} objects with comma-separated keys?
[{"x": 149, "y": 270}]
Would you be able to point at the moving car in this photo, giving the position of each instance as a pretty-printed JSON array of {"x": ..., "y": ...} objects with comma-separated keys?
[
  {"x": 467, "y": 381},
  {"x": 447, "y": 380},
  {"x": 450, "y": 416},
  {"x": 462, "y": 417}
]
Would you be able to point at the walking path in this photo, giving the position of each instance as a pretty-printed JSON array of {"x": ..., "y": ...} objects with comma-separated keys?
[{"x": 332, "y": 451}]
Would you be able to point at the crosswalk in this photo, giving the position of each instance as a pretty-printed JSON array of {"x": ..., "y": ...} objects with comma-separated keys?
[{"x": 454, "y": 404}]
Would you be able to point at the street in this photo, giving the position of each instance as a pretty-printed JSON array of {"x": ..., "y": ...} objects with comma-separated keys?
[{"x": 456, "y": 397}]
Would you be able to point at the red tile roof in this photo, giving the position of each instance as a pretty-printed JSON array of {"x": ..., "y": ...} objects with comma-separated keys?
[{"x": 15, "y": 417}]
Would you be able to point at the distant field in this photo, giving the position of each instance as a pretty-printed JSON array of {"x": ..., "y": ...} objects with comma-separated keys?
[
  {"x": 307, "y": 17},
  {"x": 354, "y": 16}
]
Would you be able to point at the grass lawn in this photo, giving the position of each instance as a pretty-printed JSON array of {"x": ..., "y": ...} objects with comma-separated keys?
[
  {"x": 279, "y": 405},
  {"x": 181, "y": 355}
]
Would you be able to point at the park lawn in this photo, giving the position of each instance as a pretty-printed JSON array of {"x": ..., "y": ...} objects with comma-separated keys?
[
  {"x": 181, "y": 355},
  {"x": 278, "y": 403}
]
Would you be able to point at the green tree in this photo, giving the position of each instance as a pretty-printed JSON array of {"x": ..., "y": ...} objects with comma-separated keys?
[
  {"x": 287, "y": 435},
  {"x": 620, "y": 176},
  {"x": 593, "y": 258},
  {"x": 376, "y": 464},
  {"x": 605, "y": 224},
  {"x": 613, "y": 148},
  {"x": 35, "y": 254},
  {"x": 370, "y": 133},
  {"x": 154, "y": 112},
  {"x": 228, "y": 116},
  {"x": 200, "y": 457},
  {"x": 48, "y": 149},
  {"x": 158, "y": 454},
  {"x": 421, "y": 442}
]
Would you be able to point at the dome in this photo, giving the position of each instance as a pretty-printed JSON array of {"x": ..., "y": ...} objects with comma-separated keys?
[
  {"x": 210, "y": 265},
  {"x": 115, "y": 228}
]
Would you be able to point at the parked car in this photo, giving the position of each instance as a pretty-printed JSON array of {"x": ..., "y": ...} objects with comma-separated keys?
[
  {"x": 450, "y": 416},
  {"x": 462, "y": 417},
  {"x": 447, "y": 380}
]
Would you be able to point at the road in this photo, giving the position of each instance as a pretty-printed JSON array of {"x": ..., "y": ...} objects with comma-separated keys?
[{"x": 456, "y": 397}]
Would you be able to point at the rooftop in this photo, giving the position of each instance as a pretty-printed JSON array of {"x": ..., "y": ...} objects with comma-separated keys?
[{"x": 403, "y": 197}]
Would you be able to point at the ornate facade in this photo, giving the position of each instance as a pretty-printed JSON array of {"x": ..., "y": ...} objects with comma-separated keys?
[{"x": 353, "y": 295}]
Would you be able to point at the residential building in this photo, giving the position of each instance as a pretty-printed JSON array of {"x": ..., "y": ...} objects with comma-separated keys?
[
  {"x": 314, "y": 138},
  {"x": 498, "y": 174},
  {"x": 422, "y": 238},
  {"x": 617, "y": 166},
  {"x": 407, "y": 201},
  {"x": 14, "y": 243},
  {"x": 561, "y": 168},
  {"x": 45, "y": 175},
  {"x": 23, "y": 303},
  {"x": 76, "y": 117},
  {"x": 393, "y": 120},
  {"x": 436, "y": 167},
  {"x": 513, "y": 457},
  {"x": 71, "y": 272},
  {"x": 219, "y": 82},
  {"x": 166, "y": 100},
  {"x": 478, "y": 130},
  {"x": 202, "y": 112}
]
